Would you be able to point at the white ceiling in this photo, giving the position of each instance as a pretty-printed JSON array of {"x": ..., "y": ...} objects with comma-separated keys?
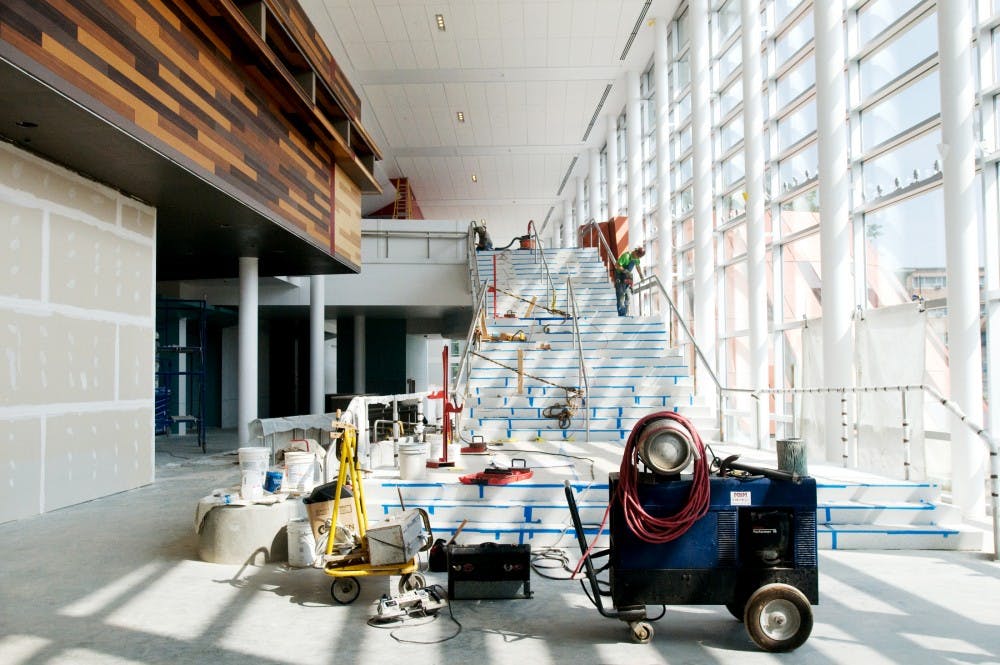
[{"x": 527, "y": 74}]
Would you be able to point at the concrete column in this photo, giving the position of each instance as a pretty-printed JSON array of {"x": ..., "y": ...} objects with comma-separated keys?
[
  {"x": 614, "y": 208},
  {"x": 664, "y": 220},
  {"x": 834, "y": 217},
  {"x": 701, "y": 124},
  {"x": 359, "y": 354},
  {"x": 753, "y": 148},
  {"x": 317, "y": 343},
  {"x": 633, "y": 136},
  {"x": 568, "y": 225},
  {"x": 246, "y": 408},
  {"x": 962, "y": 251},
  {"x": 595, "y": 184},
  {"x": 581, "y": 217}
]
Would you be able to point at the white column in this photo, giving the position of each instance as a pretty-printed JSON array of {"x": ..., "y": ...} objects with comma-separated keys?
[
  {"x": 962, "y": 252},
  {"x": 633, "y": 136},
  {"x": 664, "y": 230},
  {"x": 701, "y": 124},
  {"x": 753, "y": 148},
  {"x": 246, "y": 409},
  {"x": 569, "y": 227},
  {"x": 614, "y": 208},
  {"x": 317, "y": 343},
  {"x": 581, "y": 218},
  {"x": 555, "y": 239},
  {"x": 834, "y": 216},
  {"x": 359, "y": 354},
  {"x": 595, "y": 184}
]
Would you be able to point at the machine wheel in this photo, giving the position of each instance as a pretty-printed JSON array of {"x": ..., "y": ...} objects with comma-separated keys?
[
  {"x": 778, "y": 617},
  {"x": 411, "y": 582},
  {"x": 642, "y": 631},
  {"x": 345, "y": 590}
]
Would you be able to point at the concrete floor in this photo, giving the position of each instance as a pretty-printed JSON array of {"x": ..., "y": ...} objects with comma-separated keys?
[{"x": 117, "y": 580}]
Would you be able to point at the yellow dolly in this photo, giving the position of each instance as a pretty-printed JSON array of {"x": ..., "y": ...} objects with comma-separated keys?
[{"x": 347, "y": 568}]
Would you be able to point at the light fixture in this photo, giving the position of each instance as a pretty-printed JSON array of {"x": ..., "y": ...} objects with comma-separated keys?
[
  {"x": 440, "y": 21},
  {"x": 460, "y": 116},
  {"x": 26, "y": 124},
  {"x": 475, "y": 178}
]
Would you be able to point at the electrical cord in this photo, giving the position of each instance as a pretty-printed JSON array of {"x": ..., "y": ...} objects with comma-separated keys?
[{"x": 649, "y": 528}]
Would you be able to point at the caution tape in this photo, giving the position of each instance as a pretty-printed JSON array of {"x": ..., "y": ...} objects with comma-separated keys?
[
  {"x": 551, "y": 309},
  {"x": 575, "y": 392}
]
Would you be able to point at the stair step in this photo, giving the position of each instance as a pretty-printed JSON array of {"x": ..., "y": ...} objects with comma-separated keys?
[
  {"x": 886, "y": 513},
  {"x": 897, "y": 537}
]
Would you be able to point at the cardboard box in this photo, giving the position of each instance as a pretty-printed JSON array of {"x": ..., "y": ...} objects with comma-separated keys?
[{"x": 396, "y": 540}]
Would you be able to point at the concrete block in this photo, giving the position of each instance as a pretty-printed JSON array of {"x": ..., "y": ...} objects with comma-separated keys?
[{"x": 238, "y": 534}]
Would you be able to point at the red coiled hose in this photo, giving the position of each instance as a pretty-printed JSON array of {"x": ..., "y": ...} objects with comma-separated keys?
[{"x": 661, "y": 529}]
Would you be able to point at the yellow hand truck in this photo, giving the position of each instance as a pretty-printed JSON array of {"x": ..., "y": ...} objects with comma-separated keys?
[{"x": 346, "y": 569}]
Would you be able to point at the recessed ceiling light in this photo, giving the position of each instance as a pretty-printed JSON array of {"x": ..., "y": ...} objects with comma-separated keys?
[
  {"x": 440, "y": 21},
  {"x": 461, "y": 116},
  {"x": 475, "y": 178},
  {"x": 27, "y": 124}
]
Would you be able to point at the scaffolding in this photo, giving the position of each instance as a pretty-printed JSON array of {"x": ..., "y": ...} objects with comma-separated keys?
[{"x": 180, "y": 366}]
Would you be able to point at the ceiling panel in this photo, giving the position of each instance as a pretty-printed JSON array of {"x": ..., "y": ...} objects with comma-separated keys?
[{"x": 528, "y": 75}]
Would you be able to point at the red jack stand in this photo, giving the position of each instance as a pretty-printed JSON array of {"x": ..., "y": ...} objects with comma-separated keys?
[
  {"x": 477, "y": 447},
  {"x": 449, "y": 409}
]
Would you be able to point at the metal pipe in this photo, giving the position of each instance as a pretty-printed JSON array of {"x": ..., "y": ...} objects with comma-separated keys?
[{"x": 571, "y": 295}]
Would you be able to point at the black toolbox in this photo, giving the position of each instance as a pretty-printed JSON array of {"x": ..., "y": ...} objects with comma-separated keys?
[{"x": 489, "y": 570}]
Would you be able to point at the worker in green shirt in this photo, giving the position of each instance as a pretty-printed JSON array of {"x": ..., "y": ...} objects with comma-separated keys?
[{"x": 623, "y": 276}]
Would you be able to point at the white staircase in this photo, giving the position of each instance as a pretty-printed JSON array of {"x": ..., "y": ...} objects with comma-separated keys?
[{"x": 632, "y": 373}]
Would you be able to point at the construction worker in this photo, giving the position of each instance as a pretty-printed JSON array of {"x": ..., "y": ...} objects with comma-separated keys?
[
  {"x": 623, "y": 276},
  {"x": 483, "y": 240}
]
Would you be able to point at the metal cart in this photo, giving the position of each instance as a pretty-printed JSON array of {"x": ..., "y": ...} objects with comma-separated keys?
[{"x": 347, "y": 569}]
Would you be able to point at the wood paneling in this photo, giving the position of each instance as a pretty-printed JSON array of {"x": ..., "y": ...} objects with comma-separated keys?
[
  {"x": 195, "y": 90},
  {"x": 347, "y": 231}
]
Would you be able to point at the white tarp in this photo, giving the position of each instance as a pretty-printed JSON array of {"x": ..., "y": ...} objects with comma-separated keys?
[
  {"x": 811, "y": 419},
  {"x": 889, "y": 351}
]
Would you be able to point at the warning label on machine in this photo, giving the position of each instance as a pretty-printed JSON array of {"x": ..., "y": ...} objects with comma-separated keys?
[{"x": 739, "y": 498}]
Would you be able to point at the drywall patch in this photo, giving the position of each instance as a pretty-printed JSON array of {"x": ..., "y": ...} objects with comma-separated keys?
[
  {"x": 135, "y": 372},
  {"x": 95, "y": 454},
  {"x": 20, "y": 468},
  {"x": 96, "y": 269},
  {"x": 138, "y": 220},
  {"x": 20, "y": 251}
]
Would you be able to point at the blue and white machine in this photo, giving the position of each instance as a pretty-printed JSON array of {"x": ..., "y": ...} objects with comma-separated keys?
[{"x": 744, "y": 538}]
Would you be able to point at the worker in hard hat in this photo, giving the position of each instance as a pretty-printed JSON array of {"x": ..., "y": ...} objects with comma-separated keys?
[
  {"x": 483, "y": 240},
  {"x": 628, "y": 261}
]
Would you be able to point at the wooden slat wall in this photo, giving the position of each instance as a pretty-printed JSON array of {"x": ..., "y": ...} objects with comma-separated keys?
[
  {"x": 171, "y": 71},
  {"x": 347, "y": 231},
  {"x": 302, "y": 29}
]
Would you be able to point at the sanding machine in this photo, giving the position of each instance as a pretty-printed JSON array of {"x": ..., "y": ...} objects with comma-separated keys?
[{"x": 726, "y": 534}]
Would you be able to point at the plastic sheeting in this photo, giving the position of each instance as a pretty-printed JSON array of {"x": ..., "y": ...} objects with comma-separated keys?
[
  {"x": 889, "y": 347},
  {"x": 889, "y": 350}
]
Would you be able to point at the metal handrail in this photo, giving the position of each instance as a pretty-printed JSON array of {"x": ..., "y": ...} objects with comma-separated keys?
[
  {"x": 533, "y": 234},
  {"x": 648, "y": 282},
  {"x": 984, "y": 435},
  {"x": 582, "y": 377},
  {"x": 611, "y": 258},
  {"x": 464, "y": 365},
  {"x": 471, "y": 255}
]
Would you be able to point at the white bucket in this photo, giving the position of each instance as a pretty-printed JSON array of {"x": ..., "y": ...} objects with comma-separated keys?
[
  {"x": 412, "y": 461},
  {"x": 253, "y": 467},
  {"x": 301, "y": 543},
  {"x": 299, "y": 471}
]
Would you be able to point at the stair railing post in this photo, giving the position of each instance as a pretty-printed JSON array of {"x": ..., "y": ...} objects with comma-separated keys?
[{"x": 906, "y": 438}]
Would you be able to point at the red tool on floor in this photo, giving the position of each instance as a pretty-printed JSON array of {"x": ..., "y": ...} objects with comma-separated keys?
[{"x": 499, "y": 475}]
